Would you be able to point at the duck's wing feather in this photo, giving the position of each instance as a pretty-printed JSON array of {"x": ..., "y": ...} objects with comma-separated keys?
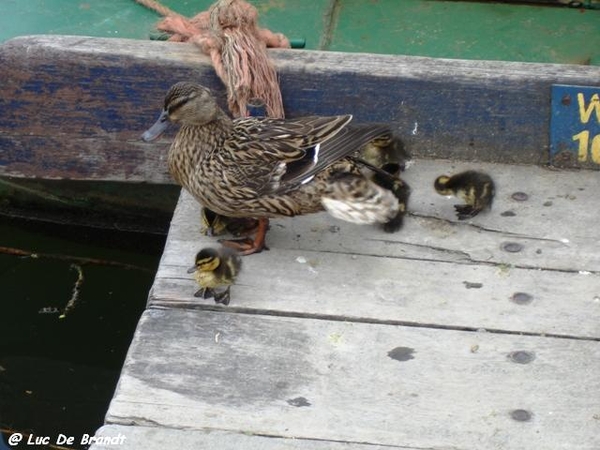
[
  {"x": 287, "y": 139},
  {"x": 349, "y": 140},
  {"x": 278, "y": 155}
]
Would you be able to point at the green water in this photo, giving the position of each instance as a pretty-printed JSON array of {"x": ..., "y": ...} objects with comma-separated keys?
[{"x": 57, "y": 375}]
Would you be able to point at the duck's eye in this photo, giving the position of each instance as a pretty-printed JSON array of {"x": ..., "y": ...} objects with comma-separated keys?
[{"x": 175, "y": 106}]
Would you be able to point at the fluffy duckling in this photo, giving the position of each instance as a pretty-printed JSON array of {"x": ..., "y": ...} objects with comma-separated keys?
[
  {"x": 260, "y": 167},
  {"x": 476, "y": 189},
  {"x": 389, "y": 180},
  {"x": 386, "y": 149},
  {"x": 215, "y": 270},
  {"x": 214, "y": 224},
  {"x": 384, "y": 158}
]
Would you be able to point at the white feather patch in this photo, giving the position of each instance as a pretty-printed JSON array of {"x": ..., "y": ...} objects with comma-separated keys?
[
  {"x": 316, "y": 156},
  {"x": 358, "y": 200},
  {"x": 306, "y": 180},
  {"x": 363, "y": 212}
]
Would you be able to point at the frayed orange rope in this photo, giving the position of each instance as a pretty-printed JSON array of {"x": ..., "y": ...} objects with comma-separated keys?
[{"x": 228, "y": 32}]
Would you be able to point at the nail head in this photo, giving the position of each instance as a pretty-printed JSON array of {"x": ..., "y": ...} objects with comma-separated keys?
[
  {"x": 512, "y": 247},
  {"x": 521, "y": 298},
  {"x": 521, "y": 357},
  {"x": 521, "y": 415},
  {"x": 520, "y": 196}
]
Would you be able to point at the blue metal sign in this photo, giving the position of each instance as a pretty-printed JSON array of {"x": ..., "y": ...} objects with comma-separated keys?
[{"x": 575, "y": 125}]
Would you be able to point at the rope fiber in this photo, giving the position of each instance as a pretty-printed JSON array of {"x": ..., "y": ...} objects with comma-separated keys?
[{"x": 229, "y": 34}]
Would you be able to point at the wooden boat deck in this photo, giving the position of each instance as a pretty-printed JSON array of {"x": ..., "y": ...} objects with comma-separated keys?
[
  {"x": 439, "y": 337},
  {"x": 447, "y": 335}
]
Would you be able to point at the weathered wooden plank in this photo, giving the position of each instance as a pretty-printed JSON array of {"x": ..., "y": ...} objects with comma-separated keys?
[
  {"x": 102, "y": 93},
  {"x": 158, "y": 438},
  {"x": 90, "y": 158},
  {"x": 359, "y": 383},
  {"x": 435, "y": 271},
  {"x": 560, "y": 236},
  {"x": 390, "y": 290}
]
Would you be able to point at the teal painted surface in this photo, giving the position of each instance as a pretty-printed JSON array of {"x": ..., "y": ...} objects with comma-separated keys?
[
  {"x": 110, "y": 18},
  {"x": 128, "y": 19},
  {"x": 448, "y": 29},
  {"x": 469, "y": 30}
]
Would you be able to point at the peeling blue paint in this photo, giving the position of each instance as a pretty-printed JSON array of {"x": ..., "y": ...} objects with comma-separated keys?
[{"x": 575, "y": 124}]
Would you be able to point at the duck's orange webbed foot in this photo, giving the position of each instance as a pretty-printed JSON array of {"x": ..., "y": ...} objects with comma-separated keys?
[{"x": 247, "y": 246}]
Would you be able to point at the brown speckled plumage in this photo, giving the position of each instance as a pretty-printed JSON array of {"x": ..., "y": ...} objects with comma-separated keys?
[{"x": 257, "y": 167}]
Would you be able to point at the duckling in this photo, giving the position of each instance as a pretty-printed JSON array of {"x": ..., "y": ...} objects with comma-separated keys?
[
  {"x": 260, "y": 167},
  {"x": 384, "y": 158},
  {"x": 385, "y": 149},
  {"x": 215, "y": 270},
  {"x": 391, "y": 181},
  {"x": 214, "y": 224},
  {"x": 475, "y": 188}
]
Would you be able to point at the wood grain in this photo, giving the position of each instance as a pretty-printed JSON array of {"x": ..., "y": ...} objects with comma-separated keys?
[
  {"x": 435, "y": 272},
  {"x": 343, "y": 336},
  {"x": 74, "y": 107},
  {"x": 555, "y": 225},
  {"x": 359, "y": 383},
  {"x": 157, "y": 438}
]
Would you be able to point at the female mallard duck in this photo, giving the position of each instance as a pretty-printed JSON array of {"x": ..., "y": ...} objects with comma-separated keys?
[
  {"x": 263, "y": 167},
  {"x": 215, "y": 270},
  {"x": 476, "y": 189}
]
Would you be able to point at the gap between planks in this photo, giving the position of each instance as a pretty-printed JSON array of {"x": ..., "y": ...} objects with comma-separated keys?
[
  {"x": 420, "y": 276},
  {"x": 160, "y": 438},
  {"x": 194, "y": 305},
  {"x": 360, "y": 382}
]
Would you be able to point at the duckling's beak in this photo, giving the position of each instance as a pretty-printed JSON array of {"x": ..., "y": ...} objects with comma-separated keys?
[
  {"x": 191, "y": 269},
  {"x": 158, "y": 128}
]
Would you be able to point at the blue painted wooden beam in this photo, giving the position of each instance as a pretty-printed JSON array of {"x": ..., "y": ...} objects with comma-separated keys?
[{"x": 74, "y": 107}]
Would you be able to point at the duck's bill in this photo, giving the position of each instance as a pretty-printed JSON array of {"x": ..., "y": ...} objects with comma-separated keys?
[
  {"x": 158, "y": 128},
  {"x": 191, "y": 269}
]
